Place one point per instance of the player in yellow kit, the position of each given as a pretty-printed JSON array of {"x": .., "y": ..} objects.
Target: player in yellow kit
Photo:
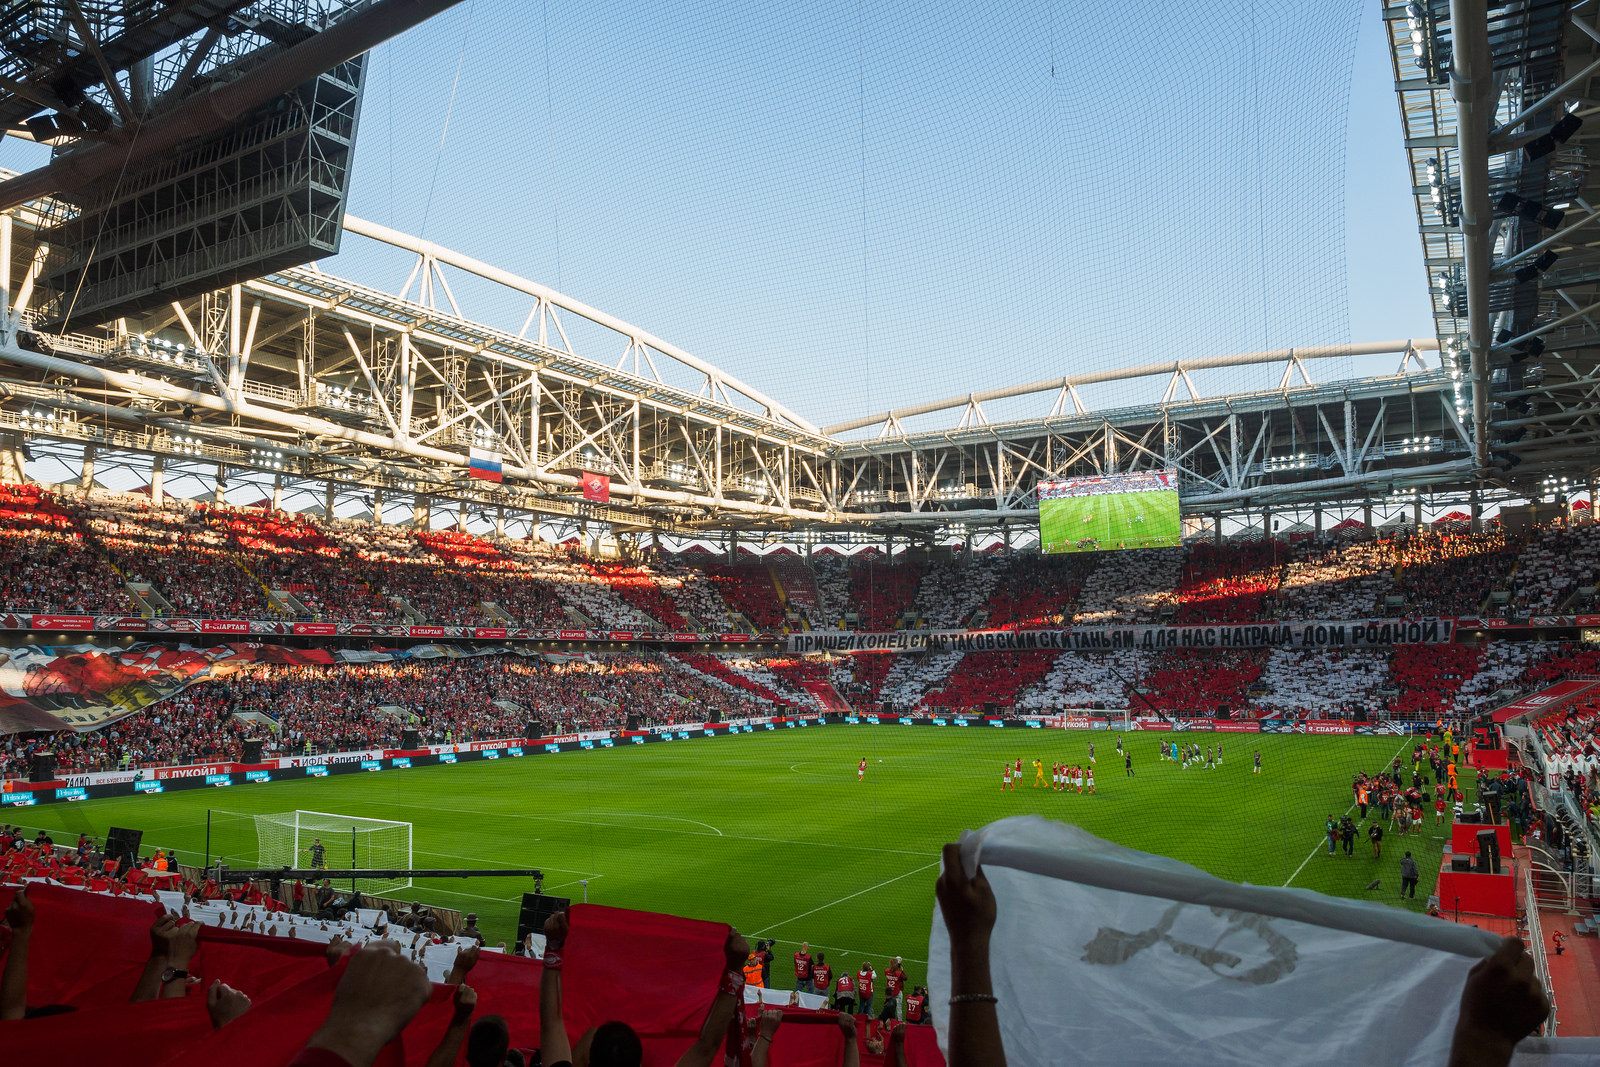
[{"x": 1038, "y": 774}]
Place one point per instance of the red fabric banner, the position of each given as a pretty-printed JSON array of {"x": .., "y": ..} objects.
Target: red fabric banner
[{"x": 596, "y": 487}]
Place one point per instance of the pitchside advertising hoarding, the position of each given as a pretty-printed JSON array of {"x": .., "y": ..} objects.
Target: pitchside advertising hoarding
[{"x": 292, "y": 768}]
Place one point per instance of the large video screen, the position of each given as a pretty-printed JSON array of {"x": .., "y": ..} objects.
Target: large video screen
[{"x": 1109, "y": 512}]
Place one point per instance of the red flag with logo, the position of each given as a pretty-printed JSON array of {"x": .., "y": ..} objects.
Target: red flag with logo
[{"x": 596, "y": 487}]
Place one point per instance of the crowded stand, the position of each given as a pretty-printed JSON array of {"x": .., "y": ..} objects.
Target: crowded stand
[
  {"x": 335, "y": 707},
  {"x": 47, "y": 563},
  {"x": 991, "y": 681},
  {"x": 1227, "y": 583},
  {"x": 1320, "y": 683},
  {"x": 1557, "y": 571},
  {"x": 1428, "y": 677},
  {"x": 749, "y": 589},
  {"x": 1036, "y": 594},
  {"x": 1087, "y": 682},
  {"x": 1129, "y": 586},
  {"x": 1199, "y": 682},
  {"x": 110, "y": 552},
  {"x": 1338, "y": 578}
]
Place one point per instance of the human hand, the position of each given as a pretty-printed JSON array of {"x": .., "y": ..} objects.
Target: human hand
[
  {"x": 466, "y": 1001},
  {"x": 225, "y": 1004},
  {"x": 768, "y": 1023},
  {"x": 1502, "y": 1002},
  {"x": 336, "y": 950},
  {"x": 19, "y": 913},
  {"x": 735, "y": 950},
  {"x": 555, "y": 932},
  {"x": 380, "y": 992},
  {"x": 466, "y": 959},
  {"x": 180, "y": 942},
  {"x": 847, "y": 1023},
  {"x": 897, "y": 1038},
  {"x": 967, "y": 904}
]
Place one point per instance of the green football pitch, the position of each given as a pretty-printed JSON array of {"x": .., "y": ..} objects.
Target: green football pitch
[
  {"x": 1112, "y": 521},
  {"x": 772, "y": 832}
]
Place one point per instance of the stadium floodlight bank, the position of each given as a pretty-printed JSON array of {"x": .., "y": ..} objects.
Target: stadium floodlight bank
[{"x": 289, "y": 840}]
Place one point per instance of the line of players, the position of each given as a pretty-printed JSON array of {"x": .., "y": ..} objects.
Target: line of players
[{"x": 1064, "y": 777}]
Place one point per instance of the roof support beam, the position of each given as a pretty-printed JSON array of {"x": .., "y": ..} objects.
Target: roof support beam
[{"x": 1472, "y": 87}]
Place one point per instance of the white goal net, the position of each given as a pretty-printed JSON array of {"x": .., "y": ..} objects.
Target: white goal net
[{"x": 325, "y": 839}]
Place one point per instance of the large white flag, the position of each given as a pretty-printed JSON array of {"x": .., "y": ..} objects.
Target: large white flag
[{"x": 1106, "y": 955}]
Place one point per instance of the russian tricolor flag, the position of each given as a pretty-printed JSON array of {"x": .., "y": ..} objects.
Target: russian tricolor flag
[{"x": 481, "y": 463}]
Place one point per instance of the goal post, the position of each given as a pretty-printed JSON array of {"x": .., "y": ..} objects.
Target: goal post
[{"x": 303, "y": 839}]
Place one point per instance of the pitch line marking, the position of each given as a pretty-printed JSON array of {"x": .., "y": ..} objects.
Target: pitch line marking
[
  {"x": 666, "y": 829},
  {"x": 860, "y": 892},
  {"x": 669, "y": 818},
  {"x": 1347, "y": 811}
]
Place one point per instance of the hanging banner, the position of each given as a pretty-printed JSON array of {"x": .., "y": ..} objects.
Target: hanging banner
[{"x": 1360, "y": 633}]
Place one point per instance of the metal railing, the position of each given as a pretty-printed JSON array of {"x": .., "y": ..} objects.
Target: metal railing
[{"x": 1535, "y": 940}]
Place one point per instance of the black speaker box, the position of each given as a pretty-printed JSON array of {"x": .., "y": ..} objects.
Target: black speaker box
[
  {"x": 1461, "y": 863},
  {"x": 536, "y": 908},
  {"x": 252, "y": 750},
  {"x": 43, "y": 768},
  {"x": 122, "y": 845},
  {"x": 410, "y": 739},
  {"x": 635, "y": 720},
  {"x": 1488, "y": 851},
  {"x": 534, "y": 728}
]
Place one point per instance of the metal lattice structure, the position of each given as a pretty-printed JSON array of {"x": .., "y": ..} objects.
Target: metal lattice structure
[
  {"x": 1494, "y": 99},
  {"x": 327, "y": 386}
]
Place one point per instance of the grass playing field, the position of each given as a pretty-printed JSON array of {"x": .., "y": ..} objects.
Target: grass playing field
[
  {"x": 772, "y": 832},
  {"x": 1110, "y": 521}
]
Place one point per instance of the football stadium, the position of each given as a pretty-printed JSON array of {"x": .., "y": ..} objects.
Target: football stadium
[{"x": 619, "y": 534}]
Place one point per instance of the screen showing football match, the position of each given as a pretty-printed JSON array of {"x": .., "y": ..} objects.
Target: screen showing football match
[{"x": 1110, "y": 511}]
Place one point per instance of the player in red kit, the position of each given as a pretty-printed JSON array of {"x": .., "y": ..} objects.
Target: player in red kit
[
  {"x": 821, "y": 975},
  {"x": 917, "y": 1007},
  {"x": 802, "y": 968},
  {"x": 864, "y": 987},
  {"x": 844, "y": 993},
  {"x": 861, "y": 769},
  {"x": 894, "y": 981}
]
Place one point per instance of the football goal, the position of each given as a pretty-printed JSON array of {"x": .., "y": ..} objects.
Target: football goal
[{"x": 326, "y": 839}]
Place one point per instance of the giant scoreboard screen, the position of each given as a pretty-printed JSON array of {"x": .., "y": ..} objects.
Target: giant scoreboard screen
[{"x": 1110, "y": 511}]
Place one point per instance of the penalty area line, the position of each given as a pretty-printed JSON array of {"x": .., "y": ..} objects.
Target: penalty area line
[{"x": 833, "y": 903}]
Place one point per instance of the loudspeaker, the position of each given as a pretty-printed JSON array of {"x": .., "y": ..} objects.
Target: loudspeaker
[
  {"x": 635, "y": 720},
  {"x": 1488, "y": 852},
  {"x": 43, "y": 768},
  {"x": 534, "y": 728},
  {"x": 714, "y": 715},
  {"x": 410, "y": 739},
  {"x": 122, "y": 845},
  {"x": 1224, "y": 712},
  {"x": 1472, "y": 816},
  {"x": 1461, "y": 863},
  {"x": 988, "y": 708},
  {"x": 536, "y": 908},
  {"x": 252, "y": 750}
]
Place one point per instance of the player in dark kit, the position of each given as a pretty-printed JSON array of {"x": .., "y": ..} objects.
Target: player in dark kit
[{"x": 1127, "y": 764}]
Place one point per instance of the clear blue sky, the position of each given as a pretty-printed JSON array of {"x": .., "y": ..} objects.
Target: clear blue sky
[{"x": 858, "y": 204}]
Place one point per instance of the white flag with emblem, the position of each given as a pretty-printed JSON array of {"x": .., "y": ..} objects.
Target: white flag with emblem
[{"x": 1106, "y": 955}]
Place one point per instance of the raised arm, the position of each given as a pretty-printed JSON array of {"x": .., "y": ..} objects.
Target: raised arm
[
  {"x": 852, "y": 1047},
  {"x": 766, "y": 1030},
  {"x": 14, "y": 979},
  {"x": 554, "y": 1045},
  {"x": 730, "y": 994},
  {"x": 1501, "y": 1004},
  {"x": 455, "y": 1034},
  {"x": 968, "y": 907}
]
